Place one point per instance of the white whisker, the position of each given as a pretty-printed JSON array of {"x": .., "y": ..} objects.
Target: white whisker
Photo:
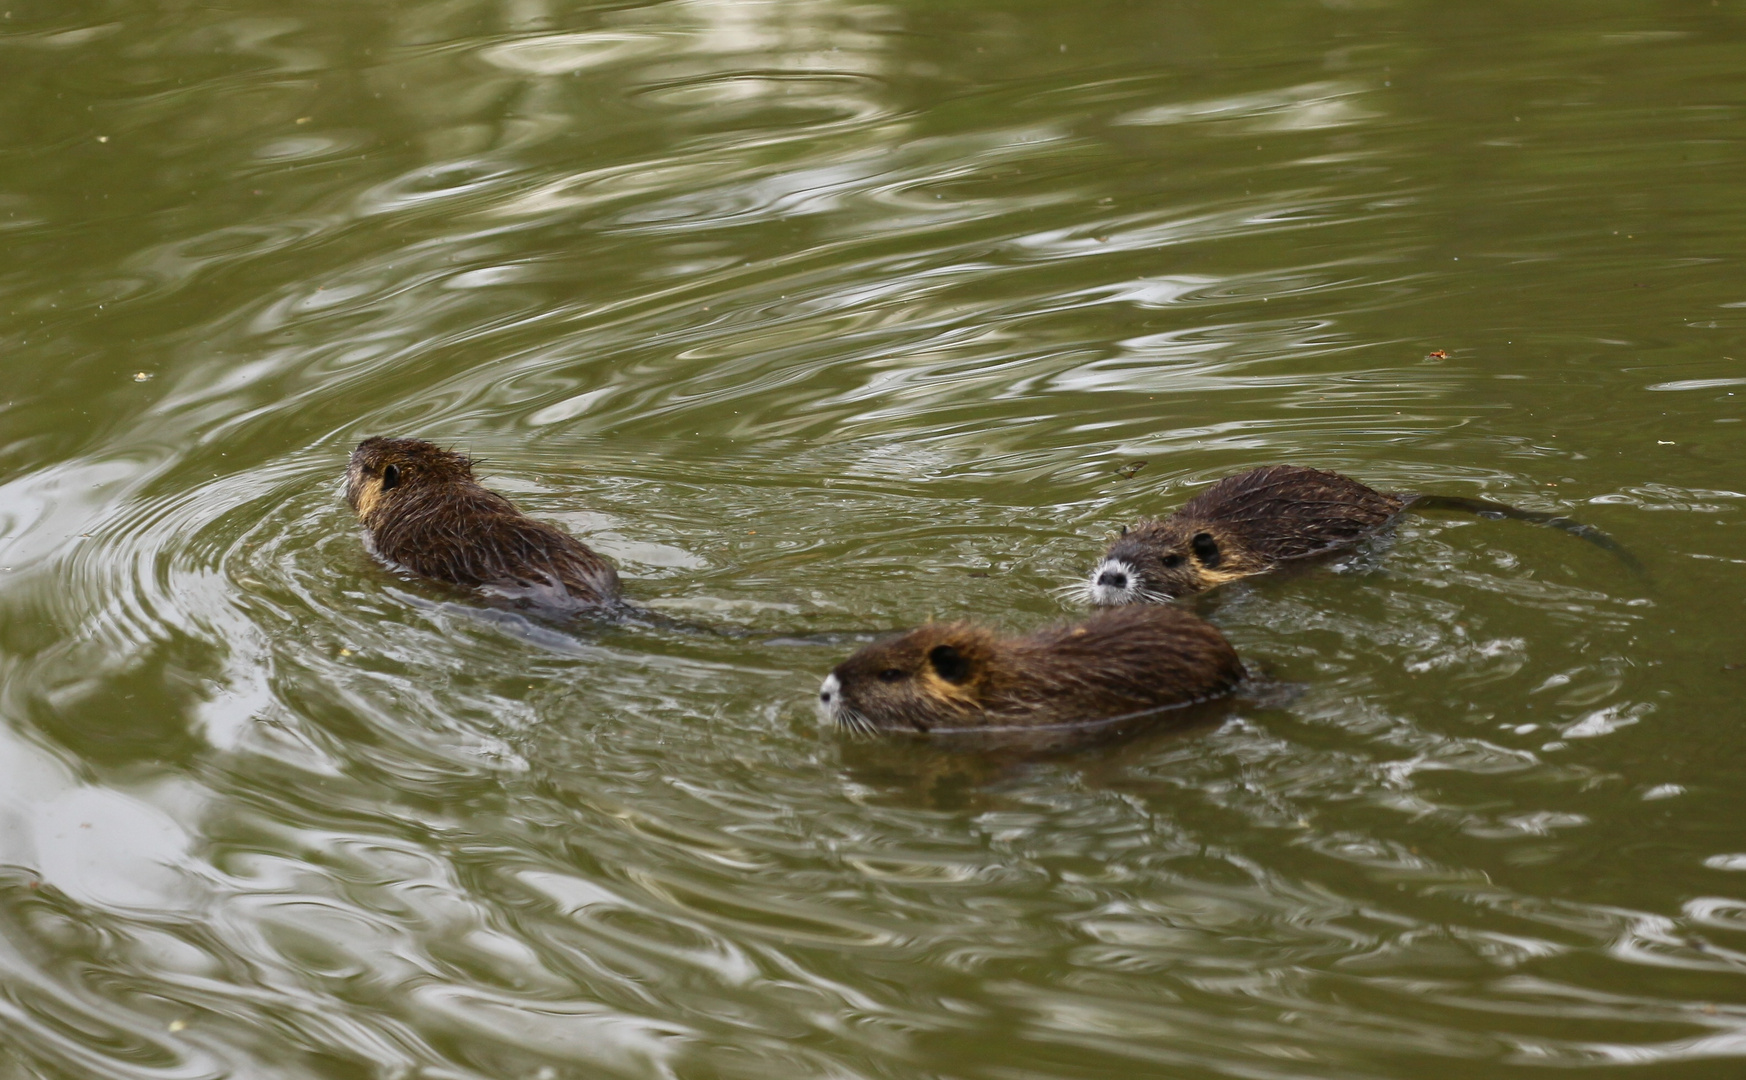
[
  {"x": 853, "y": 723},
  {"x": 1083, "y": 592}
]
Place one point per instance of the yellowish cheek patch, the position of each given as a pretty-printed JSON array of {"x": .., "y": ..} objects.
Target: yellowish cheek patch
[
  {"x": 941, "y": 688},
  {"x": 1213, "y": 576},
  {"x": 368, "y": 499}
]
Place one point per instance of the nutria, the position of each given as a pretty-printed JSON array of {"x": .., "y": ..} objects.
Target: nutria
[
  {"x": 957, "y": 676},
  {"x": 1252, "y": 522},
  {"x": 422, "y": 510}
]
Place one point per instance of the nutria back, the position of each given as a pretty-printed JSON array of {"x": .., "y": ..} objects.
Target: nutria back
[
  {"x": 1284, "y": 512},
  {"x": 955, "y": 676},
  {"x": 422, "y": 510}
]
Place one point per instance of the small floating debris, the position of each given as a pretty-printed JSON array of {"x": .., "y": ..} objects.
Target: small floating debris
[
  {"x": 142, "y": 376},
  {"x": 1126, "y": 472}
]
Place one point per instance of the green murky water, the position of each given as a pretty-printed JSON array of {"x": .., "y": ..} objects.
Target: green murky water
[{"x": 822, "y": 318}]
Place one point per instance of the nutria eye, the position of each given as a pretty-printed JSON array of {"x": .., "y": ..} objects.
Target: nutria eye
[
  {"x": 390, "y": 477},
  {"x": 1172, "y": 561},
  {"x": 890, "y": 674}
]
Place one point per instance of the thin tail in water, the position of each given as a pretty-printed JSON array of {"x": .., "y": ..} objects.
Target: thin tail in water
[{"x": 1485, "y": 508}]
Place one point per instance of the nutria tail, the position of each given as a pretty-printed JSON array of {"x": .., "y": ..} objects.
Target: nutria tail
[{"x": 1487, "y": 509}]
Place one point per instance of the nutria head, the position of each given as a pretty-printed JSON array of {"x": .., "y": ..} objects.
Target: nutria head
[
  {"x": 384, "y": 473},
  {"x": 958, "y": 676},
  {"x": 1159, "y": 561},
  {"x": 924, "y": 679}
]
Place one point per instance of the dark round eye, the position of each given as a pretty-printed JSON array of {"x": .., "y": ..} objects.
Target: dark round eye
[
  {"x": 1172, "y": 561},
  {"x": 390, "y": 477},
  {"x": 891, "y": 674}
]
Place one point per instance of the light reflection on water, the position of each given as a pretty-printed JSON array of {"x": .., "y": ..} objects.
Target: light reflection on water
[{"x": 822, "y": 319}]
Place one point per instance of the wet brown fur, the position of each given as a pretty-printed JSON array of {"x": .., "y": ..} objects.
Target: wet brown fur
[
  {"x": 958, "y": 675},
  {"x": 1250, "y": 523},
  {"x": 437, "y": 521}
]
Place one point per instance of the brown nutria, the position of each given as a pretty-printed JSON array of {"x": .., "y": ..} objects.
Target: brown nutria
[
  {"x": 422, "y": 510},
  {"x": 957, "y": 676},
  {"x": 1252, "y": 522}
]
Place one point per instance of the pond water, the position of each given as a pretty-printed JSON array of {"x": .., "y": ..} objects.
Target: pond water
[{"x": 823, "y": 318}]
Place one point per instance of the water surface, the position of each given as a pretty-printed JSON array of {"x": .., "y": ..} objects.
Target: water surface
[{"x": 822, "y": 318}]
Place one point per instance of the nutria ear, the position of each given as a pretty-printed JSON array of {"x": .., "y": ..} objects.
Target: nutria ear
[
  {"x": 949, "y": 663},
  {"x": 1124, "y": 530},
  {"x": 390, "y": 477},
  {"x": 1206, "y": 549}
]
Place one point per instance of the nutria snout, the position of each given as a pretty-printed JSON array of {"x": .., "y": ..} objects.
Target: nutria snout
[
  {"x": 956, "y": 676},
  {"x": 422, "y": 510},
  {"x": 1252, "y": 522}
]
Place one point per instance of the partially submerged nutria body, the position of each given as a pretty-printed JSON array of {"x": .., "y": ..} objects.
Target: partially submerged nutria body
[
  {"x": 422, "y": 510},
  {"x": 958, "y": 676},
  {"x": 1253, "y": 522}
]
